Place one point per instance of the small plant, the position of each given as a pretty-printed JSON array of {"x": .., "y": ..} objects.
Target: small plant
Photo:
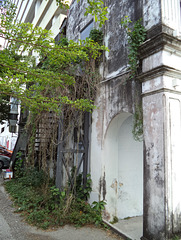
[
  {"x": 115, "y": 220},
  {"x": 99, "y": 206},
  {"x": 55, "y": 191},
  {"x": 79, "y": 190},
  {"x": 18, "y": 168}
]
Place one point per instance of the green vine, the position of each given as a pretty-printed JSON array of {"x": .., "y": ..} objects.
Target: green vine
[{"x": 136, "y": 36}]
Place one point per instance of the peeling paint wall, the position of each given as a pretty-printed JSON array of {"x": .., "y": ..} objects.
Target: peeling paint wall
[
  {"x": 115, "y": 37},
  {"x": 115, "y": 101}
]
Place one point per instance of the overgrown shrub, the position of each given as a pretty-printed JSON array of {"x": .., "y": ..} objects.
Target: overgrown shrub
[{"x": 44, "y": 206}]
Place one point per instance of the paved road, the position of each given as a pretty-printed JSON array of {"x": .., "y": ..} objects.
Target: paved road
[{"x": 12, "y": 226}]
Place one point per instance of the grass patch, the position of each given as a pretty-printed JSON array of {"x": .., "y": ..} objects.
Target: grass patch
[{"x": 44, "y": 206}]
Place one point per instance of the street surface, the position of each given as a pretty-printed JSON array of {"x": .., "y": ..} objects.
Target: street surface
[{"x": 12, "y": 226}]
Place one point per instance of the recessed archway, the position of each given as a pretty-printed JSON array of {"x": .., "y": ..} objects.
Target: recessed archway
[{"x": 123, "y": 168}]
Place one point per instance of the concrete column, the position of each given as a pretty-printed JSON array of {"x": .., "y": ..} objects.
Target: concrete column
[{"x": 161, "y": 88}]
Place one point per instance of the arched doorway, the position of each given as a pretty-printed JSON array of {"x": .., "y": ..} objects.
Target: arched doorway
[{"x": 123, "y": 169}]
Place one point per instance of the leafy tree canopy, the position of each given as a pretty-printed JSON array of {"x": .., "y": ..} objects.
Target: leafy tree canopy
[{"x": 49, "y": 84}]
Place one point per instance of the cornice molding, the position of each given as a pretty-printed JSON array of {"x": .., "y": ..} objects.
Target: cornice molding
[
  {"x": 161, "y": 41},
  {"x": 159, "y": 28},
  {"x": 160, "y": 90},
  {"x": 159, "y": 71}
]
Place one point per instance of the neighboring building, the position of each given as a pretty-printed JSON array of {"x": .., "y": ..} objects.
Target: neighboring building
[
  {"x": 7, "y": 139},
  {"x": 42, "y": 13},
  {"x": 9, "y": 129},
  {"x": 134, "y": 178},
  {"x": 8, "y": 134}
]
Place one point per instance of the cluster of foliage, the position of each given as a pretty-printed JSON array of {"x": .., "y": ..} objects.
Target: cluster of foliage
[
  {"x": 50, "y": 80},
  {"x": 63, "y": 4},
  {"x": 44, "y": 206},
  {"x": 96, "y": 35}
]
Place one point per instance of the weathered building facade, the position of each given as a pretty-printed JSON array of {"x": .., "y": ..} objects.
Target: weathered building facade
[
  {"x": 119, "y": 165},
  {"x": 134, "y": 178},
  {"x": 116, "y": 159}
]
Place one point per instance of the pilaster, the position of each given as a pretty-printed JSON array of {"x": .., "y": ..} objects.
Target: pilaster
[{"x": 161, "y": 91}]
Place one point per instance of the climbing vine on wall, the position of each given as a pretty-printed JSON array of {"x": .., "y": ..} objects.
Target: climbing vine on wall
[{"x": 136, "y": 36}]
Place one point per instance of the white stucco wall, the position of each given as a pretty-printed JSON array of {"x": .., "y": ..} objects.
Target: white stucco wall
[
  {"x": 123, "y": 163},
  {"x": 130, "y": 176}
]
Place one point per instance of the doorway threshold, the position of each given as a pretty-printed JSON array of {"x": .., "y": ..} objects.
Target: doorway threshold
[{"x": 131, "y": 228}]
